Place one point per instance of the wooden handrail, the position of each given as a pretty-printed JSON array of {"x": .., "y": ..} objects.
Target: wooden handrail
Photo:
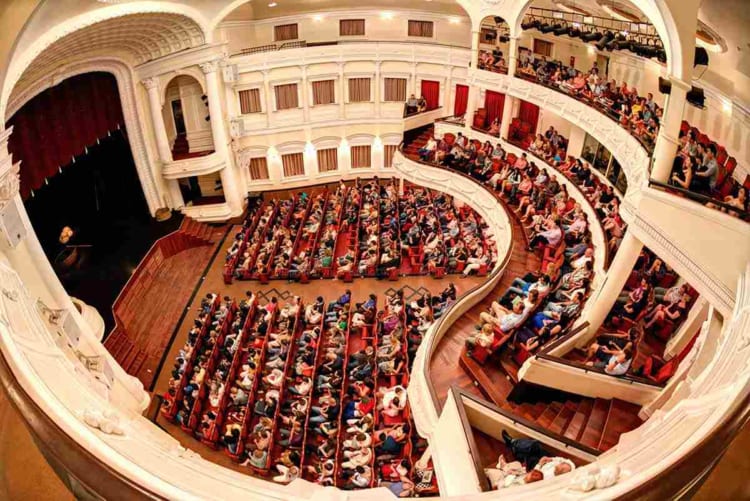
[
  {"x": 458, "y": 393},
  {"x": 590, "y": 368},
  {"x": 699, "y": 198}
]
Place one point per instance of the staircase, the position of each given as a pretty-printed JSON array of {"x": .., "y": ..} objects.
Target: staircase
[
  {"x": 594, "y": 422},
  {"x": 198, "y": 233},
  {"x": 411, "y": 149},
  {"x": 180, "y": 147}
]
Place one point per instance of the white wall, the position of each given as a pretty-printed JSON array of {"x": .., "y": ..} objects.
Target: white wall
[{"x": 324, "y": 27}]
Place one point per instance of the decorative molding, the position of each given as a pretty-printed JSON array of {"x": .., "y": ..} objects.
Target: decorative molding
[
  {"x": 209, "y": 67},
  {"x": 105, "y": 421},
  {"x": 150, "y": 83}
]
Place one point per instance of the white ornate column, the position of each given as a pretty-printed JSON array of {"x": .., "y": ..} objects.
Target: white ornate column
[
  {"x": 268, "y": 97},
  {"x": 507, "y": 118},
  {"x": 415, "y": 90},
  {"x": 378, "y": 85},
  {"x": 448, "y": 91},
  {"x": 474, "y": 62},
  {"x": 229, "y": 179},
  {"x": 669, "y": 131},
  {"x": 513, "y": 56},
  {"x": 342, "y": 84},
  {"x": 305, "y": 95},
  {"x": 617, "y": 276},
  {"x": 471, "y": 104},
  {"x": 162, "y": 142}
]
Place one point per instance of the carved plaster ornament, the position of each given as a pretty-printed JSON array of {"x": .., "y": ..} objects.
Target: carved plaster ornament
[
  {"x": 182, "y": 452},
  {"x": 106, "y": 421},
  {"x": 9, "y": 185},
  {"x": 593, "y": 477}
]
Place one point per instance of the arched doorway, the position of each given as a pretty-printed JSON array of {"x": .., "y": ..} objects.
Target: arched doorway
[
  {"x": 494, "y": 44},
  {"x": 187, "y": 121}
]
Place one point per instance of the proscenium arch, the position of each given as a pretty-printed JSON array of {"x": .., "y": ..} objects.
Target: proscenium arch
[
  {"x": 656, "y": 11},
  {"x": 126, "y": 86},
  {"x": 19, "y": 62}
]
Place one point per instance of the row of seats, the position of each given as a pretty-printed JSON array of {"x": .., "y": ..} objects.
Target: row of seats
[
  {"x": 641, "y": 116},
  {"x": 499, "y": 169},
  {"x": 355, "y": 231},
  {"x": 652, "y": 306},
  {"x": 308, "y": 391},
  {"x": 703, "y": 166}
]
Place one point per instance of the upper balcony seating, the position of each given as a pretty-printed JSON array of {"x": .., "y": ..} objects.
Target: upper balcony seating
[
  {"x": 651, "y": 308},
  {"x": 492, "y": 165},
  {"x": 639, "y": 115},
  {"x": 492, "y": 61},
  {"x": 719, "y": 190}
]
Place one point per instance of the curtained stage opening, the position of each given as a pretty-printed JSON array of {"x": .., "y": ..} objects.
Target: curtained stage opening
[{"x": 101, "y": 199}]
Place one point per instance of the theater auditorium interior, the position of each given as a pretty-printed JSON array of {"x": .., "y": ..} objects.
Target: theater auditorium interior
[{"x": 326, "y": 250}]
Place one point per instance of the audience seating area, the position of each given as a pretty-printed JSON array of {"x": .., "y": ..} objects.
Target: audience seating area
[
  {"x": 309, "y": 390},
  {"x": 366, "y": 229},
  {"x": 494, "y": 166},
  {"x": 651, "y": 308},
  {"x": 704, "y": 171},
  {"x": 639, "y": 115},
  {"x": 543, "y": 303},
  {"x": 140, "y": 335},
  {"x": 696, "y": 174}
]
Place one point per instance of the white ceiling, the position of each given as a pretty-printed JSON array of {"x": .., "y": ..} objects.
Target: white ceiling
[{"x": 136, "y": 38}]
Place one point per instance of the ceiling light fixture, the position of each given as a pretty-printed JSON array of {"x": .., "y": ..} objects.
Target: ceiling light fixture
[{"x": 272, "y": 4}]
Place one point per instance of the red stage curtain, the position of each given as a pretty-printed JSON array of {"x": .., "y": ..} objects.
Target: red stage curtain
[
  {"x": 60, "y": 123},
  {"x": 462, "y": 99},
  {"x": 493, "y": 103},
  {"x": 529, "y": 114},
  {"x": 431, "y": 93}
]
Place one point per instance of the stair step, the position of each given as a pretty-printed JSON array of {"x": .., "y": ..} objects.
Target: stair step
[
  {"x": 549, "y": 414},
  {"x": 578, "y": 423},
  {"x": 592, "y": 433},
  {"x": 563, "y": 418},
  {"x": 621, "y": 418}
]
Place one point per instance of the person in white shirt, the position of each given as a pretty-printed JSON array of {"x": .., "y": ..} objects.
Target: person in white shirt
[{"x": 554, "y": 467}]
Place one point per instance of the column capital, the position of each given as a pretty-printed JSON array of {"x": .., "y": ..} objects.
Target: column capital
[
  {"x": 209, "y": 66},
  {"x": 150, "y": 83}
]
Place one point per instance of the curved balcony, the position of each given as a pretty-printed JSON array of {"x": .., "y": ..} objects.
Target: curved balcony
[
  {"x": 692, "y": 421},
  {"x": 627, "y": 149},
  {"x": 196, "y": 166}
]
